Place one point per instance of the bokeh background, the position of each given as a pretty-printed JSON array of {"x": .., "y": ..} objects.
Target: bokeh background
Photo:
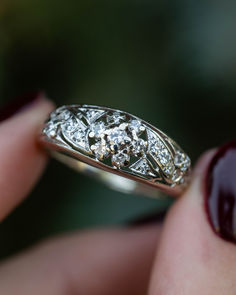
[{"x": 172, "y": 63}]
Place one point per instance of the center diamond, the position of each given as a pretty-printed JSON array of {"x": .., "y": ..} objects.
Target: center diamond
[
  {"x": 117, "y": 136},
  {"x": 119, "y": 142}
]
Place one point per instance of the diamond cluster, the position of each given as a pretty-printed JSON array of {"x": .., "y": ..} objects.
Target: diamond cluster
[
  {"x": 122, "y": 139},
  {"x": 118, "y": 139}
]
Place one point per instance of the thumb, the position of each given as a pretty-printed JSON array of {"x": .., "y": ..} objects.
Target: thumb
[{"x": 196, "y": 254}]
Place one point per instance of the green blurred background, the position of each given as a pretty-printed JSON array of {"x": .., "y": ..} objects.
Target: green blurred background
[{"x": 172, "y": 63}]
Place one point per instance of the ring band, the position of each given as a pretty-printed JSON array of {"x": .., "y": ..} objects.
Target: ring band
[{"x": 124, "y": 151}]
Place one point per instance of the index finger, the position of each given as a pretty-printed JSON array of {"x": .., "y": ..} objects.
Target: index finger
[{"x": 22, "y": 161}]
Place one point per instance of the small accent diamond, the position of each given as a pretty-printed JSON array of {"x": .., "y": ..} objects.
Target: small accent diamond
[
  {"x": 78, "y": 138},
  {"x": 164, "y": 156},
  {"x": 120, "y": 159},
  {"x": 169, "y": 169},
  {"x": 115, "y": 118},
  {"x": 70, "y": 125},
  {"x": 92, "y": 114},
  {"x": 182, "y": 161},
  {"x": 139, "y": 146},
  {"x": 159, "y": 152},
  {"x": 100, "y": 150},
  {"x": 142, "y": 167},
  {"x": 75, "y": 132},
  {"x": 60, "y": 114},
  {"x": 155, "y": 144},
  {"x": 136, "y": 126},
  {"x": 57, "y": 118},
  {"x": 98, "y": 129},
  {"x": 65, "y": 115}
]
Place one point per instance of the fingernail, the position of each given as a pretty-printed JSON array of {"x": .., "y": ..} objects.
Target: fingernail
[
  {"x": 147, "y": 219},
  {"x": 19, "y": 104},
  {"x": 220, "y": 192}
]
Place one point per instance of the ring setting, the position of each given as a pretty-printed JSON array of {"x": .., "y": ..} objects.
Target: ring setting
[{"x": 118, "y": 142}]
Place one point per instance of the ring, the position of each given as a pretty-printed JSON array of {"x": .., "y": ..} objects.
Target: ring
[{"x": 120, "y": 149}]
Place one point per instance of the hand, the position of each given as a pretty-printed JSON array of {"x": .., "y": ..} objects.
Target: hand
[{"x": 183, "y": 256}]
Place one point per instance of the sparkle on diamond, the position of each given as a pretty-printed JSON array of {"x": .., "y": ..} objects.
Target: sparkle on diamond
[
  {"x": 120, "y": 159},
  {"x": 117, "y": 136},
  {"x": 120, "y": 142}
]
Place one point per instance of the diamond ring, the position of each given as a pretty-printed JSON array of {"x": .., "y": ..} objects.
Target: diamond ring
[{"x": 122, "y": 150}]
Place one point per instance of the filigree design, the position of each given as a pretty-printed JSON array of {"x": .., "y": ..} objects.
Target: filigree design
[{"x": 119, "y": 140}]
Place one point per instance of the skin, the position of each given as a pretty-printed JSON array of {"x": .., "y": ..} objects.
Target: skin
[{"x": 182, "y": 256}]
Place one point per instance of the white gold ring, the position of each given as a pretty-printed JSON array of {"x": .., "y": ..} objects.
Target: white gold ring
[{"x": 124, "y": 151}]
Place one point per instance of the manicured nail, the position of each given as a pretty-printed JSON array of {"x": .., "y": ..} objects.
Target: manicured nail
[
  {"x": 19, "y": 104},
  {"x": 220, "y": 192}
]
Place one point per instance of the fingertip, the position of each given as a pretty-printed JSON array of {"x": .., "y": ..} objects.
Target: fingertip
[
  {"x": 188, "y": 247},
  {"x": 22, "y": 161}
]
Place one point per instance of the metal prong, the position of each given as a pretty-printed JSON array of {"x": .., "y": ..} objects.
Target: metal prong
[
  {"x": 123, "y": 126},
  {"x": 53, "y": 133},
  {"x": 91, "y": 134},
  {"x": 142, "y": 128}
]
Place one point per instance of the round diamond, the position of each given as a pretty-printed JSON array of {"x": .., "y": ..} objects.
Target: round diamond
[
  {"x": 179, "y": 158},
  {"x": 100, "y": 150},
  {"x": 182, "y": 161},
  {"x": 98, "y": 128},
  {"x": 117, "y": 136},
  {"x": 139, "y": 146},
  {"x": 120, "y": 159},
  {"x": 185, "y": 166},
  {"x": 135, "y": 125}
]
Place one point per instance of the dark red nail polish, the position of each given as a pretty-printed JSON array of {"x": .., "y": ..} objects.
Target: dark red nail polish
[
  {"x": 220, "y": 192},
  {"x": 19, "y": 104}
]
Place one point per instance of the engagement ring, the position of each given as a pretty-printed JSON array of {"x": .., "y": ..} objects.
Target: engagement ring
[{"x": 120, "y": 149}]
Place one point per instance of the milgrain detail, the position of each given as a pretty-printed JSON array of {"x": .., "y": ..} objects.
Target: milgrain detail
[{"x": 119, "y": 140}]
